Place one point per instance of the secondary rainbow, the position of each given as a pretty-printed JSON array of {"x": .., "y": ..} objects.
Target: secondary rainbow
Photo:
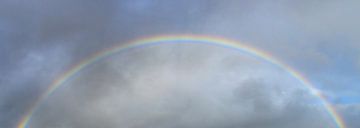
[{"x": 23, "y": 123}]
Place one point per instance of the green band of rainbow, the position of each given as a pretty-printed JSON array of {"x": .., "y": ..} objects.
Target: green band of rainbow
[{"x": 180, "y": 38}]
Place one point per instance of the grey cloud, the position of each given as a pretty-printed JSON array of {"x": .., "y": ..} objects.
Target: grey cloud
[
  {"x": 21, "y": 85},
  {"x": 80, "y": 27},
  {"x": 299, "y": 29},
  {"x": 317, "y": 37}
]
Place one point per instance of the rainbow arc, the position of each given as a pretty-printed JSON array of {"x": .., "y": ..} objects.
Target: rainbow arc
[{"x": 211, "y": 40}]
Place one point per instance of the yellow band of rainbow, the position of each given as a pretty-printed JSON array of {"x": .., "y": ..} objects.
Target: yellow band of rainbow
[{"x": 23, "y": 123}]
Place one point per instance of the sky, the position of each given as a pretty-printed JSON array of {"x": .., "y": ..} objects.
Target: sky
[{"x": 171, "y": 85}]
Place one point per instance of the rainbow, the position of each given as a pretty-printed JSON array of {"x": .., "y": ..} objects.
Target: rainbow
[{"x": 218, "y": 41}]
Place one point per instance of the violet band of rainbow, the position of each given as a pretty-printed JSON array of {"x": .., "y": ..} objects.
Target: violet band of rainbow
[{"x": 23, "y": 123}]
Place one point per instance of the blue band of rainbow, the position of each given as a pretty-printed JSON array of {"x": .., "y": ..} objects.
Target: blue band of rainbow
[{"x": 23, "y": 123}]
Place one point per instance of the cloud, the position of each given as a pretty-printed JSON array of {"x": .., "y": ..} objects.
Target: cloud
[
  {"x": 21, "y": 85},
  {"x": 299, "y": 29},
  {"x": 316, "y": 37},
  {"x": 182, "y": 86}
]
